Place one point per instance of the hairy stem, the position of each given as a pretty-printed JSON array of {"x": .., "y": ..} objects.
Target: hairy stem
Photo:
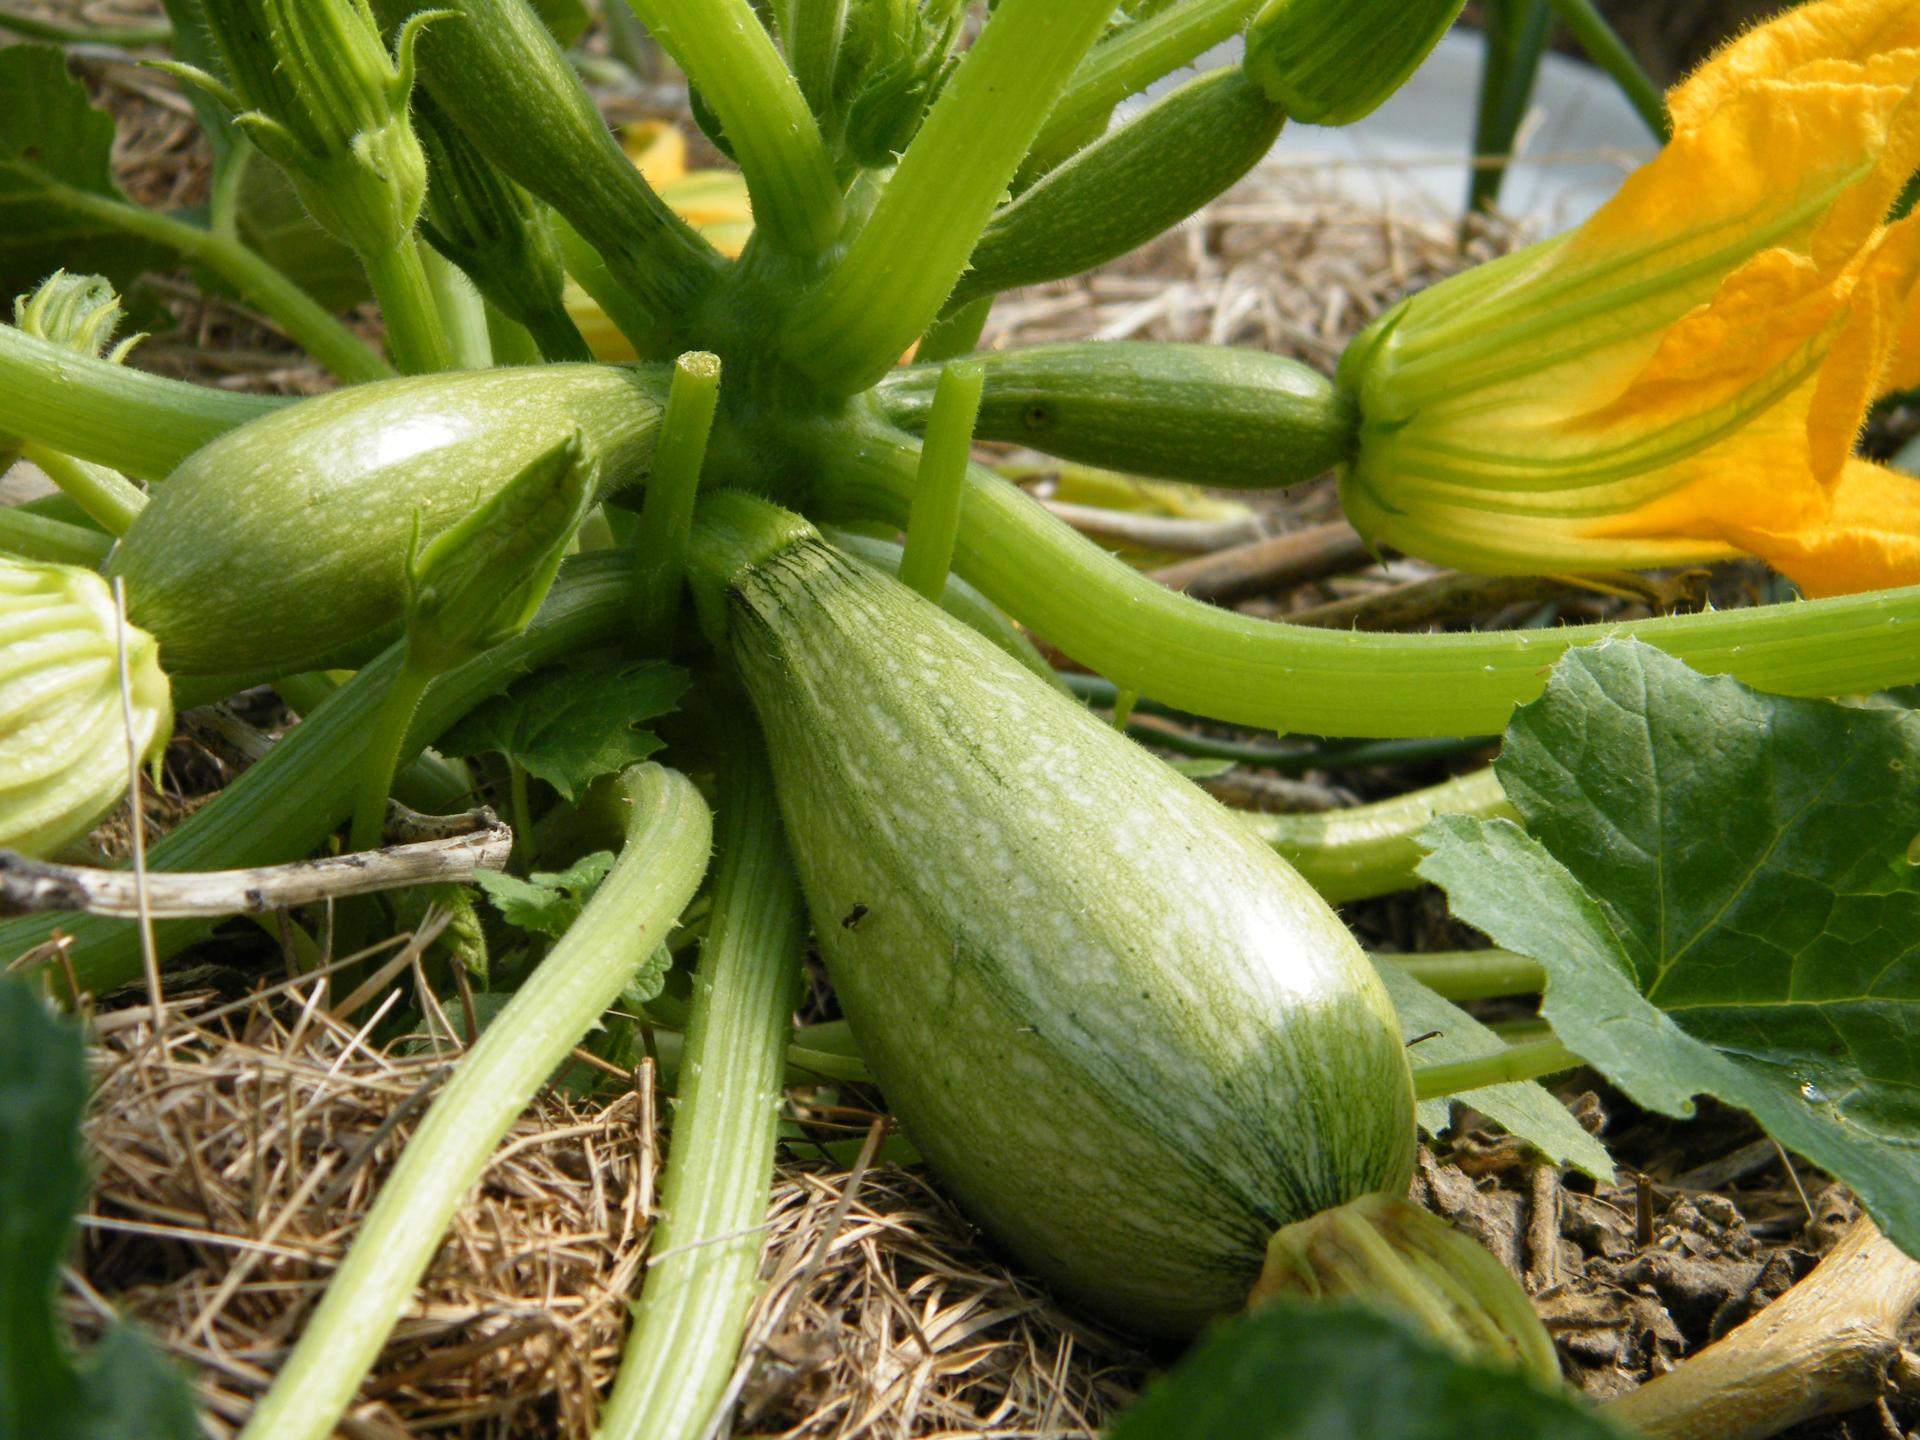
[
  {"x": 705, "y": 1253},
  {"x": 731, "y": 60},
  {"x": 139, "y": 424},
  {"x": 415, "y": 337},
  {"x": 1313, "y": 681},
  {"x": 658, "y": 869},
  {"x": 902, "y": 265},
  {"x": 944, "y": 455},
  {"x": 259, "y": 283}
]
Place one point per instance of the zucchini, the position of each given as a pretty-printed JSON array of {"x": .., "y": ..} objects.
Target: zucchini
[
  {"x": 1205, "y": 413},
  {"x": 1131, "y": 1040},
  {"x": 283, "y": 544}
]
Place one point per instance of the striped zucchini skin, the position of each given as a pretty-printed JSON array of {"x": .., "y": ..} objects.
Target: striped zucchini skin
[
  {"x": 1128, "y": 1036},
  {"x": 284, "y": 543}
]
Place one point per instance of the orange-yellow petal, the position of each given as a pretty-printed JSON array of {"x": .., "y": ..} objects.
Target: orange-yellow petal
[{"x": 1869, "y": 539}]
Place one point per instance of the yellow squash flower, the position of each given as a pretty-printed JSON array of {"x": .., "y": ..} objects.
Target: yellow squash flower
[
  {"x": 1682, "y": 379},
  {"x": 714, "y": 202}
]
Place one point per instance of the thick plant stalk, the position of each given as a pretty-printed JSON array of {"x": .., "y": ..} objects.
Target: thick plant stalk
[
  {"x": 656, "y": 874},
  {"x": 705, "y": 1251},
  {"x": 283, "y": 807},
  {"x": 900, "y": 268},
  {"x": 1375, "y": 849},
  {"x": 731, "y": 60},
  {"x": 943, "y": 470},
  {"x": 666, "y": 515},
  {"x": 1312, "y": 681},
  {"x": 142, "y": 425},
  {"x": 415, "y": 337}
]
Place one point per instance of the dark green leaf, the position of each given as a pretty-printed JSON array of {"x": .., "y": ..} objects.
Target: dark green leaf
[
  {"x": 1527, "y": 1109},
  {"x": 571, "y": 727},
  {"x": 125, "y": 1391},
  {"x": 54, "y": 143},
  {"x": 1327, "y": 1372},
  {"x": 546, "y": 902},
  {"x": 1723, "y": 890}
]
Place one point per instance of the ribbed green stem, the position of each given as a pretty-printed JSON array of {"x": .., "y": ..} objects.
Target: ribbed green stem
[
  {"x": 463, "y": 314},
  {"x": 260, "y": 284},
  {"x": 1605, "y": 48},
  {"x": 1336, "y": 682},
  {"x": 1516, "y": 35},
  {"x": 1517, "y": 1062},
  {"x": 944, "y": 455},
  {"x": 901, "y": 267},
  {"x": 415, "y": 337},
  {"x": 730, "y": 59},
  {"x": 1133, "y": 60},
  {"x": 590, "y": 272},
  {"x": 660, "y": 540},
  {"x": 651, "y": 882},
  {"x": 704, "y": 1255},
  {"x": 284, "y": 806},
  {"x": 104, "y": 494},
  {"x": 36, "y": 537},
  {"x": 954, "y": 334},
  {"x": 1472, "y": 974},
  {"x": 812, "y": 37},
  {"x": 382, "y": 757},
  {"x": 1370, "y": 850},
  {"x": 139, "y": 424}
]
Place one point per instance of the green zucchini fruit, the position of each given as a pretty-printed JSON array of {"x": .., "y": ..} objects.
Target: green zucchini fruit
[
  {"x": 283, "y": 544},
  {"x": 1131, "y": 1040},
  {"x": 1206, "y": 413}
]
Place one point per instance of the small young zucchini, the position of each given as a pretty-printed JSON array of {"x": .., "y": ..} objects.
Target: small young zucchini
[
  {"x": 1128, "y": 1036},
  {"x": 284, "y": 543}
]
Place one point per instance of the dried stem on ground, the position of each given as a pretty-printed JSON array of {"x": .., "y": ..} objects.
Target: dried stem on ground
[{"x": 1830, "y": 1344}]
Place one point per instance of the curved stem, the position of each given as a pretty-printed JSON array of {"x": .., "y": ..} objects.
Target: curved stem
[
  {"x": 282, "y": 807},
  {"x": 259, "y": 283},
  {"x": 415, "y": 337},
  {"x": 1370, "y": 850},
  {"x": 705, "y": 1253},
  {"x": 104, "y": 494},
  {"x": 656, "y": 874},
  {"x": 1604, "y": 47},
  {"x": 37, "y": 537},
  {"x": 139, "y": 424},
  {"x": 902, "y": 265},
  {"x": 1299, "y": 678},
  {"x": 1133, "y": 60},
  {"x": 557, "y": 336},
  {"x": 382, "y": 755},
  {"x": 1517, "y": 1062},
  {"x": 944, "y": 453},
  {"x": 731, "y": 60}
]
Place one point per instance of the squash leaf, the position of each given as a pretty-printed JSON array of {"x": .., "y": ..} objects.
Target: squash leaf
[
  {"x": 1723, "y": 888},
  {"x": 1523, "y": 1108},
  {"x": 55, "y": 144},
  {"x": 123, "y": 1391},
  {"x": 1292, "y": 1371},
  {"x": 547, "y": 902},
  {"x": 569, "y": 727}
]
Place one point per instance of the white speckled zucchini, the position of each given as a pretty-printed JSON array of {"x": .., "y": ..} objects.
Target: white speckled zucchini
[
  {"x": 1128, "y": 1036},
  {"x": 284, "y": 543}
]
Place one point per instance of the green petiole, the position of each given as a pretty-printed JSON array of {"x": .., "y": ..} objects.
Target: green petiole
[
  {"x": 656, "y": 874},
  {"x": 1472, "y": 974},
  {"x": 729, "y": 57},
  {"x": 1603, "y": 46},
  {"x": 1527, "y": 1061},
  {"x": 259, "y": 282},
  {"x": 106, "y": 495},
  {"x": 704, "y": 1256},
  {"x": 139, "y": 424},
  {"x": 462, "y": 313},
  {"x": 38, "y": 537},
  {"x": 36, "y": 27},
  {"x": 1296, "y": 678},
  {"x": 902, "y": 265},
  {"x": 666, "y": 514},
  {"x": 415, "y": 337},
  {"x": 944, "y": 455},
  {"x": 384, "y": 744}
]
